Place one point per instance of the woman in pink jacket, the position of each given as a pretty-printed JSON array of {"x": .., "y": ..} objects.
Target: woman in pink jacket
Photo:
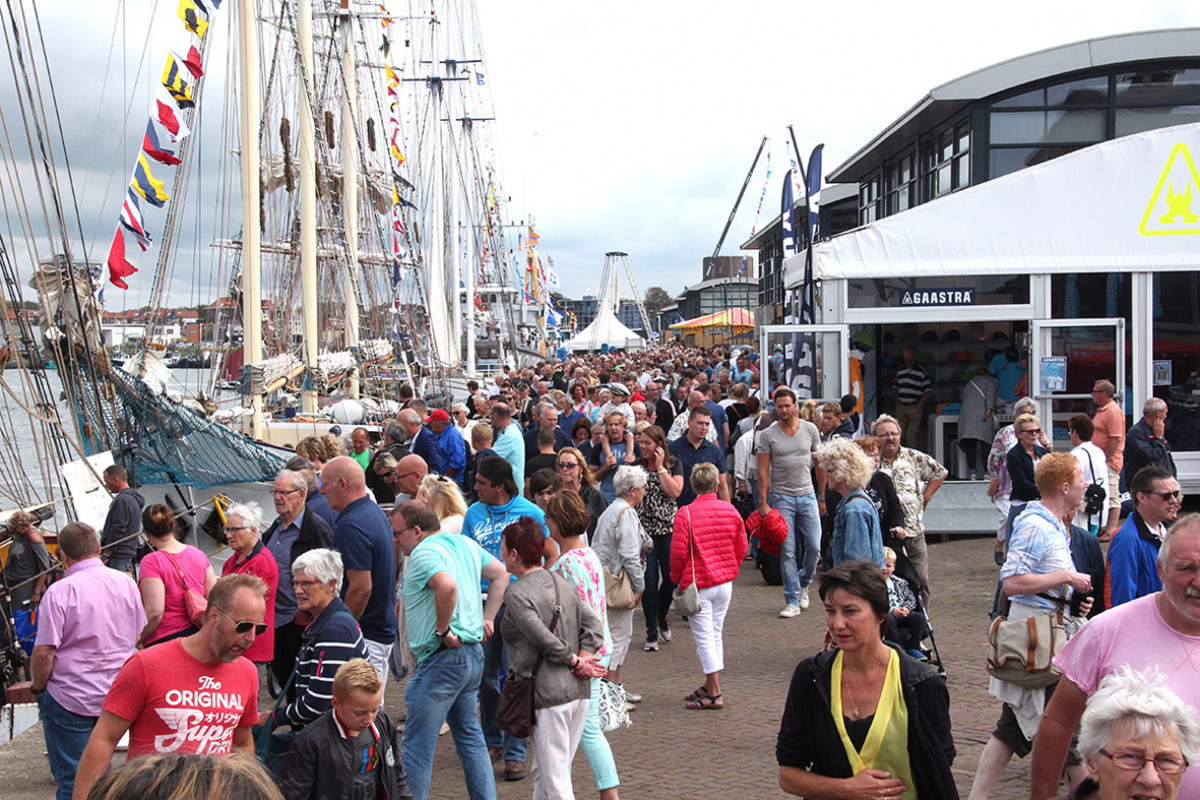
[{"x": 709, "y": 534}]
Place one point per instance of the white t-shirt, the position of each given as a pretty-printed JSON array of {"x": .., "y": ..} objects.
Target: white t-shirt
[
  {"x": 1136, "y": 634},
  {"x": 1095, "y": 470}
]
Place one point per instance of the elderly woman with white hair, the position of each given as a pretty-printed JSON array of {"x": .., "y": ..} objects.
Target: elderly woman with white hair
[
  {"x": 243, "y": 521},
  {"x": 1137, "y": 738},
  {"x": 856, "y": 531},
  {"x": 329, "y": 641},
  {"x": 620, "y": 544}
]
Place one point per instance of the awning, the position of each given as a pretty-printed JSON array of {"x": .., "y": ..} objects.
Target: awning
[
  {"x": 739, "y": 319},
  {"x": 1130, "y": 204}
]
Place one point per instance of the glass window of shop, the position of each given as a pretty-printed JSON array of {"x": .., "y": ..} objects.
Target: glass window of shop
[
  {"x": 1176, "y": 354},
  {"x": 990, "y": 290}
]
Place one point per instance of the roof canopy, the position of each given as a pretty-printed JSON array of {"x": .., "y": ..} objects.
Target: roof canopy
[
  {"x": 605, "y": 329},
  {"x": 1130, "y": 204},
  {"x": 737, "y": 318}
]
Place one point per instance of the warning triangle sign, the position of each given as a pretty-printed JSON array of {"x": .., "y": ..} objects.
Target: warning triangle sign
[{"x": 1175, "y": 206}]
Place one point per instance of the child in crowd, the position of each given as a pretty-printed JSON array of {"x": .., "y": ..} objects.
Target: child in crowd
[{"x": 909, "y": 625}]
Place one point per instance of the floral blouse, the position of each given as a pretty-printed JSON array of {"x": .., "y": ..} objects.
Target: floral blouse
[{"x": 581, "y": 568}]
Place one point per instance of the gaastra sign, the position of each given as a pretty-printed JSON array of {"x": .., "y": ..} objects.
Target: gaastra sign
[{"x": 937, "y": 297}]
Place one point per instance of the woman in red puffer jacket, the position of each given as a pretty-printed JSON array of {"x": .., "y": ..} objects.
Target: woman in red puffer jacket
[{"x": 708, "y": 544}]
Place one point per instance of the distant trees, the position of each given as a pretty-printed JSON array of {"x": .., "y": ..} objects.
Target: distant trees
[{"x": 656, "y": 299}]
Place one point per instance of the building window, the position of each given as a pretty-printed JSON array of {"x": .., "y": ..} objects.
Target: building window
[
  {"x": 946, "y": 161},
  {"x": 1041, "y": 124},
  {"x": 1177, "y": 342},
  {"x": 901, "y": 184},
  {"x": 870, "y": 199}
]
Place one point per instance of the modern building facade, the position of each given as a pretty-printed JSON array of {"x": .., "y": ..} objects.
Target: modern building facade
[{"x": 1065, "y": 233}]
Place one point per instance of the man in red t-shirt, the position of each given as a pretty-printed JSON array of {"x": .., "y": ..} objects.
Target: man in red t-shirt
[{"x": 192, "y": 695}]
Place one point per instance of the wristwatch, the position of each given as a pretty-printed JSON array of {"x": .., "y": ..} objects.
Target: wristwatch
[
  {"x": 441, "y": 634},
  {"x": 36, "y": 692}
]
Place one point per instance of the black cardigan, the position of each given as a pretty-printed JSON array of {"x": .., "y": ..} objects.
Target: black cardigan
[
  {"x": 1020, "y": 469},
  {"x": 808, "y": 738}
]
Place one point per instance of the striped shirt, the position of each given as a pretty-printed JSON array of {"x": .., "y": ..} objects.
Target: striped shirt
[
  {"x": 330, "y": 640},
  {"x": 911, "y": 384}
]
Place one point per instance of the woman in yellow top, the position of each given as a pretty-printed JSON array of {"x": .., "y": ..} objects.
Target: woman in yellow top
[{"x": 864, "y": 720}]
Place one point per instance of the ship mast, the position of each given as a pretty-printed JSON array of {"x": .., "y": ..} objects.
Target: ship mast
[
  {"x": 350, "y": 187},
  {"x": 251, "y": 232},
  {"x": 310, "y": 307}
]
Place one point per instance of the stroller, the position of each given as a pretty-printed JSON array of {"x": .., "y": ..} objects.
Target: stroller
[{"x": 908, "y": 571}]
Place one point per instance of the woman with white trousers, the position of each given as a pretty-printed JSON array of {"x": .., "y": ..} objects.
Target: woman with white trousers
[{"x": 708, "y": 544}]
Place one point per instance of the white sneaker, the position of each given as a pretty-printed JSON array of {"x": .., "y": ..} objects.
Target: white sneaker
[
  {"x": 790, "y": 611},
  {"x": 804, "y": 599}
]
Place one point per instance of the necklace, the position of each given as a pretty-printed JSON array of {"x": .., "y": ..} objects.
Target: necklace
[{"x": 855, "y": 705}]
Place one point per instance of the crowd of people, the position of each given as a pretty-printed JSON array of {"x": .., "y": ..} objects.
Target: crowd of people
[{"x": 516, "y": 532}]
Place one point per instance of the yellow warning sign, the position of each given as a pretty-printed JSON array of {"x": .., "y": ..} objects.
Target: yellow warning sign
[{"x": 1175, "y": 206}]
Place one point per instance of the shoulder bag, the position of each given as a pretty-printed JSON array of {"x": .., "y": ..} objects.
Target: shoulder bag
[
  {"x": 687, "y": 601},
  {"x": 194, "y": 601},
  {"x": 613, "y": 707},
  {"x": 618, "y": 589},
  {"x": 1022, "y": 651},
  {"x": 514, "y": 712}
]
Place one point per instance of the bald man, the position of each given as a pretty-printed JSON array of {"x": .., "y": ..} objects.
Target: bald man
[
  {"x": 363, "y": 536},
  {"x": 411, "y": 470}
]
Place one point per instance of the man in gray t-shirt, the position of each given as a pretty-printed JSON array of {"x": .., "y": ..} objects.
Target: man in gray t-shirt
[{"x": 785, "y": 466}]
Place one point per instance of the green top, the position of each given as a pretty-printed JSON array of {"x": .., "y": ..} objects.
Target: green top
[
  {"x": 464, "y": 560},
  {"x": 363, "y": 458}
]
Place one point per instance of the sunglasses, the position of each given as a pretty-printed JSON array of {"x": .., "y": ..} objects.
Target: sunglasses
[
  {"x": 1175, "y": 495},
  {"x": 244, "y": 627},
  {"x": 1032, "y": 430}
]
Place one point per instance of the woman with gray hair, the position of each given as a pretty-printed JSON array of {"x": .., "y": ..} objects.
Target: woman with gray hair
[
  {"x": 619, "y": 543},
  {"x": 330, "y": 640},
  {"x": 243, "y": 521},
  {"x": 856, "y": 531},
  {"x": 1137, "y": 738}
]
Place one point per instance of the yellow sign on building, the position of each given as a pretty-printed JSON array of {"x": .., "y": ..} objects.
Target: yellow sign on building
[{"x": 1174, "y": 207}]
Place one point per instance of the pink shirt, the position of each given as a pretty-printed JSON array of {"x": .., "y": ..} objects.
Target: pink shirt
[
  {"x": 92, "y": 618},
  {"x": 1136, "y": 634},
  {"x": 159, "y": 565}
]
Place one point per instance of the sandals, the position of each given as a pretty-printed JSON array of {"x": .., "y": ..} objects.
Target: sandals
[
  {"x": 696, "y": 695},
  {"x": 707, "y": 702}
]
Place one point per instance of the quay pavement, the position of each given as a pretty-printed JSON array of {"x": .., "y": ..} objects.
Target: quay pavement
[{"x": 671, "y": 751}]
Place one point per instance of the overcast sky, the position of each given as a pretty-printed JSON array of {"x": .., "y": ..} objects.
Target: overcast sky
[{"x": 630, "y": 125}]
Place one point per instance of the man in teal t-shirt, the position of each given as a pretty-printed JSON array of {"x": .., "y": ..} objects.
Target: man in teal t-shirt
[{"x": 447, "y": 643}]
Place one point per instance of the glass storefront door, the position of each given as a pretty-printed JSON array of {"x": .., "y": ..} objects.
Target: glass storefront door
[
  {"x": 812, "y": 359},
  {"x": 1068, "y": 357}
]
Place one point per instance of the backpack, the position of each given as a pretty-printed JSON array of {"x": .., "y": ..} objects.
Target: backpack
[{"x": 1093, "y": 495}]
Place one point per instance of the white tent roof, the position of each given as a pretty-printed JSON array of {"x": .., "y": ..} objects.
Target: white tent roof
[
  {"x": 1105, "y": 208},
  {"x": 605, "y": 329}
]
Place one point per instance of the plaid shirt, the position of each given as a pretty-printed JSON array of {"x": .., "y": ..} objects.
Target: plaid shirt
[{"x": 911, "y": 472}]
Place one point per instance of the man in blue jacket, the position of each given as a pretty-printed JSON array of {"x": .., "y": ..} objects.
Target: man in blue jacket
[
  {"x": 1133, "y": 552},
  {"x": 1146, "y": 441}
]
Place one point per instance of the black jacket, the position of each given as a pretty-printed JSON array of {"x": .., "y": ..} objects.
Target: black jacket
[
  {"x": 321, "y": 762},
  {"x": 378, "y": 486},
  {"x": 808, "y": 737},
  {"x": 1020, "y": 468},
  {"x": 314, "y": 533}
]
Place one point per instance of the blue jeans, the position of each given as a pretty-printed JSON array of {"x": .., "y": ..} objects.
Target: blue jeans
[
  {"x": 442, "y": 689},
  {"x": 66, "y": 736},
  {"x": 656, "y": 599},
  {"x": 495, "y": 664},
  {"x": 119, "y": 564},
  {"x": 800, "y": 551}
]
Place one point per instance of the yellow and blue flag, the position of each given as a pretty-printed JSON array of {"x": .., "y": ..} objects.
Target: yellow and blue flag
[
  {"x": 175, "y": 82},
  {"x": 194, "y": 16},
  {"x": 145, "y": 184}
]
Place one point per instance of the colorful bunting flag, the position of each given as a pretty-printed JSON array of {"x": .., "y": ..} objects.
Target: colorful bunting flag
[
  {"x": 155, "y": 150},
  {"x": 169, "y": 119},
  {"x": 192, "y": 61},
  {"x": 145, "y": 184},
  {"x": 194, "y": 16},
  {"x": 131, "y": 219},
  {"x": 118, "y": 267},
  {"x": 175, "y": 84}
]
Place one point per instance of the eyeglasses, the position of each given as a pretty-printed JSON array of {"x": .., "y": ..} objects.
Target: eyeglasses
[
  {"x": 405, "y": 475},
  {"x": 229, "y": 528},
  {"x": 568, "y": 465},
  {"x": 244, "y": 627},
  {"x": 1166, "y": 765},
  {"x": 1032, "y": 430},
  {"x": 882, "y": 435},
  {"x": 1175, "y": 495},
  {"x": 284, "y": 492},
  {"x": 303, "y": 585}
]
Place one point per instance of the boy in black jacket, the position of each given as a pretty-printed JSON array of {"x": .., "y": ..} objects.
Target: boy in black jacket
[{"x": 350, "y": 752}]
